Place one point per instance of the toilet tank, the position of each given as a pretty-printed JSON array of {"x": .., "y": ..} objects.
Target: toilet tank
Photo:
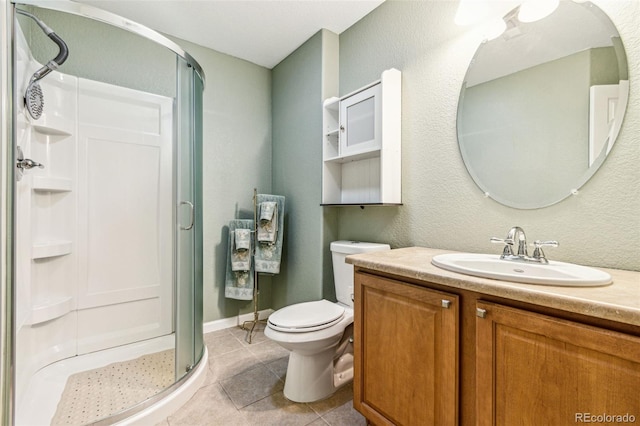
[{"x": 343, "y": 272}]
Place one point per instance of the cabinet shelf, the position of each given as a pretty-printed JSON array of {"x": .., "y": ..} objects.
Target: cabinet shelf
[
  {"x": 51, "y": 184},
  {"x": 51, "y": 249},
  {"x": 333, "y": 132},
  {"x": 354, "y": 157}
]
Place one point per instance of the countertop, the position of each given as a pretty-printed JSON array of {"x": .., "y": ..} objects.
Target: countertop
[{"x": 619, "y": 301}]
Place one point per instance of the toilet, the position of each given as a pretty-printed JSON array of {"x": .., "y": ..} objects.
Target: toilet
[{"x": 319, "y": 334}]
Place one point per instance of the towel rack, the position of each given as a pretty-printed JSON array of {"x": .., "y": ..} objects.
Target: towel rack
[{"x": 250, "y": 325}]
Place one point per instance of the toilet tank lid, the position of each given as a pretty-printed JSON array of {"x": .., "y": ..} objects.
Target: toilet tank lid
[{"x": 351, "y": 247}]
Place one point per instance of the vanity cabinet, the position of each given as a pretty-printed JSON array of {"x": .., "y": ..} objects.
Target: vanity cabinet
[
  {"x": 406, "y": 353},
  {"x": 537, "y": 369},
  {"x": 361, "y": 151},
  {"x": 432, "y": 354}
]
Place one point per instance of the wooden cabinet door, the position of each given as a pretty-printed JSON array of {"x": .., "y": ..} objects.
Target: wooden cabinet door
[
  {"x": 406, "y": 353},
  {"x": 533, "y": 369}
]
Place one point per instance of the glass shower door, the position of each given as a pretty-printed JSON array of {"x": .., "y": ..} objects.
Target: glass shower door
[{"x": 189, "y": 341}]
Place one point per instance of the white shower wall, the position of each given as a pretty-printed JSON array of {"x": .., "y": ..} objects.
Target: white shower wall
[
  {"x": 124, "y": 215},
  {"x": 95, "y": 226}
]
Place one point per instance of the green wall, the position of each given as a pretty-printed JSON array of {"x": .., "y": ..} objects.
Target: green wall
[{"x": 298, "y": 84}]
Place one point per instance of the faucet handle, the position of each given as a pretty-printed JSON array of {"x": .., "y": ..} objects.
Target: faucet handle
[
  {"x": 508, "y": 244},
  {"x": 538, "y": 253},
  {"x": 497, "y": 240}
]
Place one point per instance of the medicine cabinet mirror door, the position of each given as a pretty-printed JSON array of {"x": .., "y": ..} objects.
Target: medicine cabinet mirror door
[{"x": 360, "y": 122}]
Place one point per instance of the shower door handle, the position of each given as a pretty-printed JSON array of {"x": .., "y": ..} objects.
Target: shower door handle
[{"x": 192, "y": 215}]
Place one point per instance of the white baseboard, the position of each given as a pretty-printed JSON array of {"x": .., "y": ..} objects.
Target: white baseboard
[{"x": 234, "y": 321}]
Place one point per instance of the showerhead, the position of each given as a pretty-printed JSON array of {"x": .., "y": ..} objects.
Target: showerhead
[
  {"x": 34, "y": 100},
  {"x": 33, "y": 97}
]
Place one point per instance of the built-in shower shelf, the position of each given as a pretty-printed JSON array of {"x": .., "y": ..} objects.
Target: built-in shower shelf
[
  {"x": 51, "y": 249},
  {"x": 49, "y": 124},
  {"x": 50, "y": 309},
  {"x": 51, "y": 184}
]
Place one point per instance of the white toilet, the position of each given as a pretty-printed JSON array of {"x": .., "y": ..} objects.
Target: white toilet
[{"x": 319, "y": 334}]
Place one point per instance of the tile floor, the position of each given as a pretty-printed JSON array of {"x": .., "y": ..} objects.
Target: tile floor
[{"x": 244, "y": 388}]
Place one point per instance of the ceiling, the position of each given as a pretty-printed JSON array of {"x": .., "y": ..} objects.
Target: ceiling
[{"x": 260, "y": 31}]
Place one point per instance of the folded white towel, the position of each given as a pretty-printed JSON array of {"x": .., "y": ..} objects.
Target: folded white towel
[
  {"x": 268, "y": 228},
  {"x": 267, "y": 210},
  {"x": 242, "y": 239},
  {"x": 241, "y": 250},
  {"x": 269, "y": 238},
  {"x": 240, "y": 268}
]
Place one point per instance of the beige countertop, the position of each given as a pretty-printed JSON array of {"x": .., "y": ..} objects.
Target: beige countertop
[{"x": 619, "y": 301}]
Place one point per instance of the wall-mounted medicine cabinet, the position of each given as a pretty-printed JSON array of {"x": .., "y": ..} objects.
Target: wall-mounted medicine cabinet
[{"x": 361, "y": 145}]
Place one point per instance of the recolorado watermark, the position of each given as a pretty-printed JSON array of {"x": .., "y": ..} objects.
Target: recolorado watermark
[{"x": 604, "y": 418}]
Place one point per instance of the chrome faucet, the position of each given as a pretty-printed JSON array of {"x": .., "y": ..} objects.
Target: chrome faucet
[{"x": 517, "y": 235}]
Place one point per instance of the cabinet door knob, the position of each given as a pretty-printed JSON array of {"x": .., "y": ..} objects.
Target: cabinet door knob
[
  {"x": 482, "y": 313},
  {"x": 446, "y": 303}
]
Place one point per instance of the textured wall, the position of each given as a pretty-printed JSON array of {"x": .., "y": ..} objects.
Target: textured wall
[
  {"x": 297, "y": 125},
  {"x": 443, "y": 208}
]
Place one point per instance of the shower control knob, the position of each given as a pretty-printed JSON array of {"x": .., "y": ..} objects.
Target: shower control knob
[{"x": 28, "y": 163}]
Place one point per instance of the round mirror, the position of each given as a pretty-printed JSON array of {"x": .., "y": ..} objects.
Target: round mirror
[{"x": 542, "y": 104}]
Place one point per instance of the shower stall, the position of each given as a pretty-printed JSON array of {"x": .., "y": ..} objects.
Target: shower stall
[{"x": 101, "y": 217}]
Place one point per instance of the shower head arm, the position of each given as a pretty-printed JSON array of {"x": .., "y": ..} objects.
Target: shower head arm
[{"x": 62, "y": 56}]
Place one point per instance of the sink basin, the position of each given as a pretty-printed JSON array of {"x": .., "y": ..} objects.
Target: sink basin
[{"x": 491, "y": 266}]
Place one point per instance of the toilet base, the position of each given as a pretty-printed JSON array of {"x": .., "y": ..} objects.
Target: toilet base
[
  {"x": 309, "y": 378},
  {"x": 312, "y": 378}
]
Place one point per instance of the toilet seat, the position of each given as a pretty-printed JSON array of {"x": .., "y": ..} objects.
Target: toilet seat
[{"x": 306, "y": 317}]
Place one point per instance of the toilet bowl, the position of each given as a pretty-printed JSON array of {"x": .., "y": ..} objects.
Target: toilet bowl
[
  {"x": 310, "y": 372},
  {"x": 319, "y": 334}
]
